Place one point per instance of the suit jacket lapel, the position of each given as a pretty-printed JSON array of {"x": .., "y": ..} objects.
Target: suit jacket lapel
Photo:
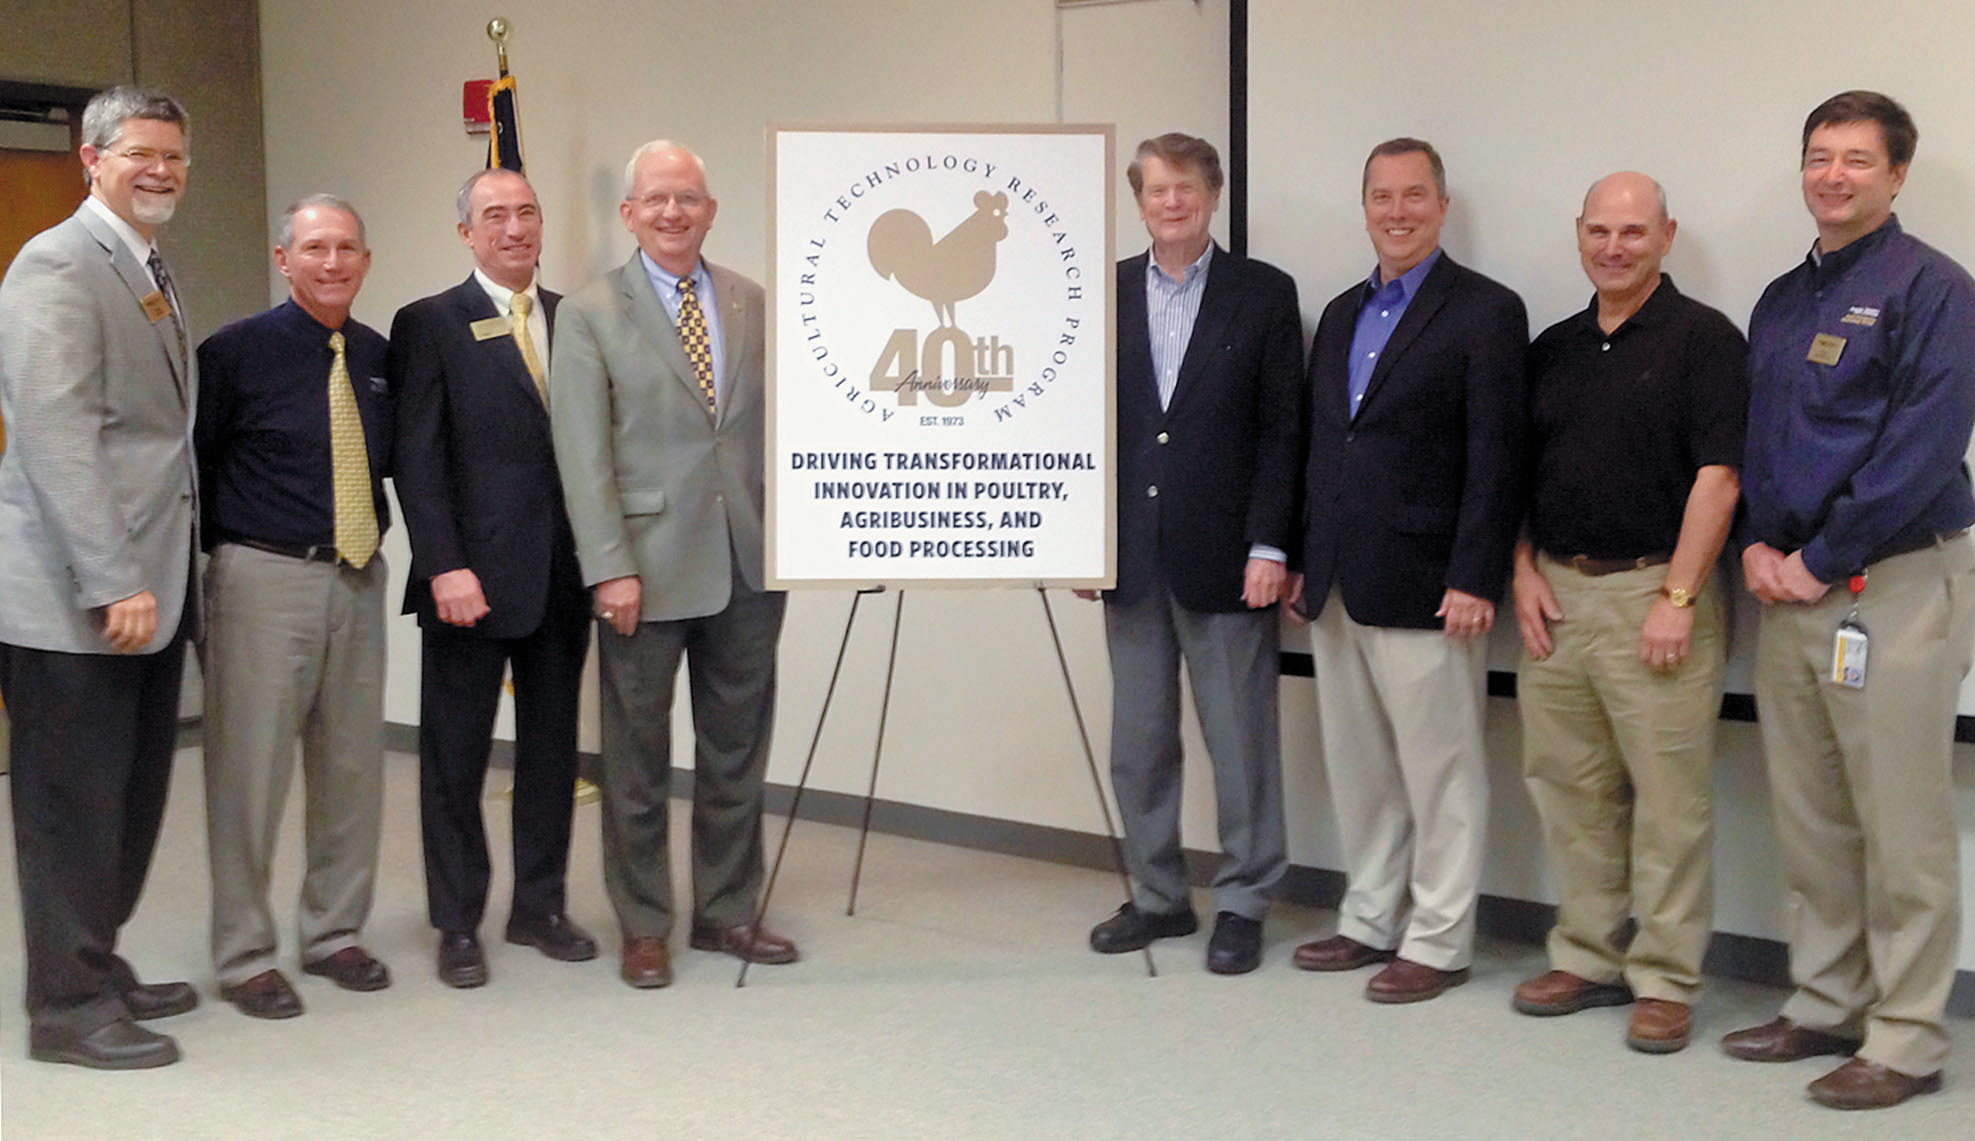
[
  {"x": 137, "y": 279},
  {"x": 648, "y": 314},
  {"x": 733, "y": 339},
  {"x": 502, "y": 354},
  {"x": 1216, "y": 306},
  {"x": 1432, "y": 295}
]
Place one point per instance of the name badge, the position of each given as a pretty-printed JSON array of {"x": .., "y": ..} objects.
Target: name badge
[
  {"x": 155, "y": 306},
  {"x": 1826, "y": 349},
  {"x": 487, "y": 328}
]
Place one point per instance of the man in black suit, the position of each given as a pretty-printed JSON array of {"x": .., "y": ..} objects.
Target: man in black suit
[
  {"x": 1416, "y": 382},
  {"x": 1210, "y": 415},
  {"x": 494, "y": 579}
]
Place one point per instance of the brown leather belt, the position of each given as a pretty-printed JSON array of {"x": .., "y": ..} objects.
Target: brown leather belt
[{"x": 1585, "y": 564}]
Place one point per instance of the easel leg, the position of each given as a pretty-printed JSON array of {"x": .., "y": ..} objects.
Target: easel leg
[
  {"x": 877, "y": 752},
  {"x": 802, "y": 782},
  {"x": 1090, "y": 760}
]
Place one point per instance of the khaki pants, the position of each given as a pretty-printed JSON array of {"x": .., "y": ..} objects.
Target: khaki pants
[
  {"x": 1863, "y": 792},
  {"x": 1401, "y": 712},
  {"x": 1619, "y": 759}
]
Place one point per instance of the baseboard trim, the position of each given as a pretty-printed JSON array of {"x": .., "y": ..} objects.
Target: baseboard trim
[{"x": 1745, "y": 957}]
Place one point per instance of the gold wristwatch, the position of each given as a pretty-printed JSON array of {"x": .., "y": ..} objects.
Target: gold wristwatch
[{"x": 1680, "y": 598}]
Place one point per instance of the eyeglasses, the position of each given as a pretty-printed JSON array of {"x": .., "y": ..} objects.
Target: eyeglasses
[
  {"x": 145, "y": 158},
  {"x": 687, "y": 200}
]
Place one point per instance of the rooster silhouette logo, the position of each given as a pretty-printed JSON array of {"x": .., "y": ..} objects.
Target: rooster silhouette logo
[{"x": 952, "y": 269}]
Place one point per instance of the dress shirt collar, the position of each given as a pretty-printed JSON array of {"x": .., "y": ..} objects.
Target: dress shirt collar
[
  {"x": 503, "y": 297},
  {"x": 134, "y": 241},
  {"x": 667, "y": 283},
  {"x": 1408, "y": 282},
  {"x": 1187, "y": 276},
  {"x": 1824, "y": 266}
]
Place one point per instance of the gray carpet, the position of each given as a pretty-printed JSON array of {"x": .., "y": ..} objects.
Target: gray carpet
[{"x": 959, "y": 1001}]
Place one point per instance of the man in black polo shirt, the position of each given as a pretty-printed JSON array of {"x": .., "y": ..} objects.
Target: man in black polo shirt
[
  {"x": 294, "y": 442},
  {"x": 1638, "y": 406}
]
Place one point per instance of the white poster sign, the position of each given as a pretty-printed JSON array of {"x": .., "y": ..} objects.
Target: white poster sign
[{"x": 941, "y": 361}]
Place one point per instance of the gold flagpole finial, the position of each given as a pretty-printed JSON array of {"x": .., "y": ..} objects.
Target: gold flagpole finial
[{"x": 497, "y": 30}]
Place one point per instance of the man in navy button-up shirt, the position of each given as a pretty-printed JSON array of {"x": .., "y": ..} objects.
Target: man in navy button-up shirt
[{"x": 1862, "y": 381}]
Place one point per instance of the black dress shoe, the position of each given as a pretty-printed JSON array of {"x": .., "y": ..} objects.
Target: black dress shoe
[
  {"x": 556, "y": 937},
  {"x": 351, "y": 968},
  {"x": 119, "y": 1045},
  {"x": 1131, "y": 929},
  {"x": 461, "y": 963},
  {"x": 1236, "y": 946},
  {"x": 159, "y": 1000},
  {"x": 266, "y": 995}
]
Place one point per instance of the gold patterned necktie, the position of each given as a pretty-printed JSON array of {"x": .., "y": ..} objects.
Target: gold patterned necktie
[
  {"x": 162, "y": 277},
  {"x": 693, "y": 338},
  {"x": 519, "y": 306},
  {"x": 356, "y": 513}
]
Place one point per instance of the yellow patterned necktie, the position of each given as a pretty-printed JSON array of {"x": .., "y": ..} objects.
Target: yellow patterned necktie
[
  {"x": 693, "y": 338},
  {"x": 519, "y": 306},
  {"x": 356, "y": 513}
]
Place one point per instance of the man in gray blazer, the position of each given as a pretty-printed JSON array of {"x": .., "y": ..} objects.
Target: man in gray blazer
[
  {"x": 96, "y": 539},
  {"x": 656, "y": 401}
]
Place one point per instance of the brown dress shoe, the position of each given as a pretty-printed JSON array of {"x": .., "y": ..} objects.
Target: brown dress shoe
[
  {"x": 351, "y": 968},
  {"x": 1560, "y": 992},
  {"x": 1781, "y": 1040},
  {"x": 266, "y": 995},
  {"x": 1338, "y": 953},
  {"x": 647, "y": 964},
  {"x": 1406, "y": 981},
  {"x": 1659, "y": 1026},
  {"x": 749, "y": 942},
  {"x": 1859, "y": 1084}
]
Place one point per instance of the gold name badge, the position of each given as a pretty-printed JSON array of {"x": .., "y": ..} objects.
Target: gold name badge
[
  {"x": 156, "y": 308},
  {"x": 487, "y": 328},
  {"x": 1826, "y": 349}
]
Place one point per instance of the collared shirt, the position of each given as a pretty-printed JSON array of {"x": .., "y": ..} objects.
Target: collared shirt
[
  {"x": 1862, "y": 397},
  {"x": 132, "y": 240},
  {"x": 503, "y": 298},
  {"x": 262, "y": 432},
  {"x": 1378, "y": 315},
  {"x": 667, "y": 286},
  {"x": 1171, "y": 307},
  {"x": 1621, "y": 422}
]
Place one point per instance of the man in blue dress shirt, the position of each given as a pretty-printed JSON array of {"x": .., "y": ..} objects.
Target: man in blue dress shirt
[
  {"x": 294, "y": 442},
  {"x": 1862, "y": 385}
]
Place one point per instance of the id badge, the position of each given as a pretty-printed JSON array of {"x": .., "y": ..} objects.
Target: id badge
[{"x": 1848, "y": 652}]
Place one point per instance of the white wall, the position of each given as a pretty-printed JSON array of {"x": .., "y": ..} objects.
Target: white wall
[{"x": 365, "y": 105}]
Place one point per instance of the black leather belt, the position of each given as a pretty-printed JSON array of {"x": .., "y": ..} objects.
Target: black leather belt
[
  {"x": 322, "y": 554},
  {"x": 1585, "y": 564},
  {"x": 1918, "y": 542}
]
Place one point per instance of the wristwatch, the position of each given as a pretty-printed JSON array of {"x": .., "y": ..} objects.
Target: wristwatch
[{"x": 1680, "y": 598}]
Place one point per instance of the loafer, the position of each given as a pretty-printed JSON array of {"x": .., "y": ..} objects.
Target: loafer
[
  {"x": 647, "y": 965},
  {"x": 1338, "y": 953},
  {"x": 1132, "y": 929},
  {"x": 462, "y": 964},
  {"x": 1236, "y": 945},
  {"x": 1781, "y": 1040},
  {"x": 1560, "y": 992},
  {"x": 351, "y": 968},
  {"x": 1859, "y": 1084},
  {"x": 119, "y": 1045},
  {"x": 555, "y": 936},
  {"x": 266, "y": 995},
  {"x": 749, "y": 942},
  {"x": 1403, "y": 980},
  {"x": 159, "y": 1000},
  {"x": 1659, "y": 1026}
]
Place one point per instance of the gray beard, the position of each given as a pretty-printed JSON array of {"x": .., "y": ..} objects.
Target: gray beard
[{"x": 152, "y": 212}]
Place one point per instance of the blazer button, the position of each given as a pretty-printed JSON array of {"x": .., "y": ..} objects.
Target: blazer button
[
  {"x": 1162, "y": 437},
  {"x": 1152, "y": 492}
]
